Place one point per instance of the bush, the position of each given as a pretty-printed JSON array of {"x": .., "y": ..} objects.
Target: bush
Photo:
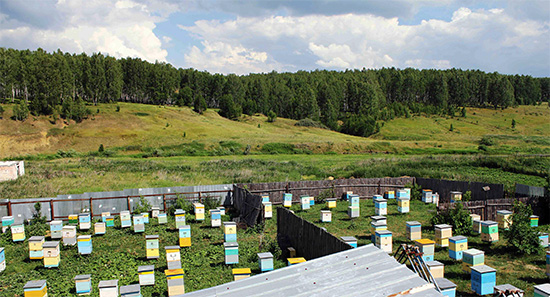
[
  {"x": 521, "y": 236},
  {"x": 271, "y": 116},
  {"x": 20, "y": 111},
  {"x": 142, "y": 206},
  {"x": 487, "y": 141},
  {"x": 458, "y": 217},
  {"x": 416, "y": 191},
  {"x": 467, "y": 196},
  {"x": 278, "y": 148},
  {"x": 310, "y": 123}
]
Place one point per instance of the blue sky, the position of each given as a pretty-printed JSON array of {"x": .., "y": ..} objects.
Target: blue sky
[{"x": 244, "y": 36}]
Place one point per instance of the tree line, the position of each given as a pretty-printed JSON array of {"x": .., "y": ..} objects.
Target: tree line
[{"x": 351, "y": 101}]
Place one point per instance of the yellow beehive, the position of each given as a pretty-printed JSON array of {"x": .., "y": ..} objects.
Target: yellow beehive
[
  {"x": 294, "y": 261},
  {"x": 175, "y": 281},
  {"x": 436, "y": 268},
  {"x": 240, "y": 273},
  {"x": 199, "y": 211}
]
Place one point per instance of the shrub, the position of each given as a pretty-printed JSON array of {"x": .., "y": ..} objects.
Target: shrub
[
  {"x": 487, "y": 141},
  {"x": 416, "y": 191},
  {"x": 458, "y": 217},
  {"x": 467, "y": 196},
  {"x": 271, "y": 116},
  {"x": 310, "y": 123},
  {"x": 278, "y": 148},
  {"x": 142, "y": 206},
  {"x": 20, "y": 111},
  {"x": 118, "y": 108},
  {"x": 101, "y": 149},
  {"x": 521, "y": 236}
]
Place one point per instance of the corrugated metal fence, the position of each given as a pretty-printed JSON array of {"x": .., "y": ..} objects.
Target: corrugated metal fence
[
  {"x": 444, "y": 188},
  {"x": 62, "y": 206},
  {"x": 529, "y": 191},
  {"x": 364, "y": 187},
  {"x": 309, "y": 240}
]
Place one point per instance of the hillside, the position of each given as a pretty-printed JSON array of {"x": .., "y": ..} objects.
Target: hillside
[{"x": 138, "y": 128}]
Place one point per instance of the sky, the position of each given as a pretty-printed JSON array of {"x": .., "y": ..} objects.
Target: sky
[{"x": 260, "y": 36}]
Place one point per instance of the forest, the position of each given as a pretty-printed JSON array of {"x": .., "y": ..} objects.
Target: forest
[{"x": 352, "y": 101}]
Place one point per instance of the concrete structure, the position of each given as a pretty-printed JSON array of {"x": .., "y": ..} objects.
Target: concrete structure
[{"x": 11, "y": 170}]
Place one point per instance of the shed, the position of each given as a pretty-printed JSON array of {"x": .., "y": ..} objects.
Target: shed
[{"x": 363, "y": 271}]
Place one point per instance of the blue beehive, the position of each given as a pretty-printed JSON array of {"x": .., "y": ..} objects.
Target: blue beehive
[
  {"x": 230, "y": 231},
  {"x": 483, "y": 279},
  {"x": 180, "y": 217},
  {"x": 266, "y": 261},
  {"x": 3, "y": 260},
  {"x": 139, "y": 225},
  {"x": 389, "y": 195},
  {"x": 125, "y": 219},
  {"x": 354, "y": 200},
  {"x": 377, "y": 197},
  {"x": 145, "y": 217},
  {"x": 304, "y": 200},
  {"x": 83, "y": 284},
  {"x": 7, "y": 221},
  {"x": 381, "y": 207},
  {"x": 403, "y": 193},
  {"x": 311, "y": 200},
  {"x": 56, "y": 228},
  {"x": 447, "y": 287},
  {"x": 350, "y": 240},
  {"x": 287, "y": 199},
  {"x": 185, "y": 236},
  {"x": 265, "y": 198},
  {"x": 84, "y": 244},
  {"x": 543, "y": 239},
  {"x": 84, "y": 222}
]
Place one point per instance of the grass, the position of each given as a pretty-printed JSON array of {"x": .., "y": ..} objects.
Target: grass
[
  {"x": 522, "y": 271},
  {"x": 140, "y": 129},
  {"x": 118, "y": 253},
  {"x": 88, "y": 174}
]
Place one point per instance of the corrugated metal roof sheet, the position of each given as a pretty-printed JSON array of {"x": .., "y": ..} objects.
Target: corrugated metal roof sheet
[{"x": 363, "y": 271}]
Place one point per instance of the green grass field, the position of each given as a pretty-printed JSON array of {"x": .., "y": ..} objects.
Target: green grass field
[
  {"x": 118, "y": 253},
  {"x": 139, "y": 129}
]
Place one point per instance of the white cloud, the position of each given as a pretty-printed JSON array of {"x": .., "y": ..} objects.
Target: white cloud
[
  {"x": 491, "y": 40},
  {"x": 120, "y": 29}
]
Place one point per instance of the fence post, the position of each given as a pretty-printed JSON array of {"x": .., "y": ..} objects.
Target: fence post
[
  {"x": 52, "y": 214},
  {"x": 200, "y": 198},
  {"x": 128, "y": 202},
  {"x": 164, "y": 201},
  {"x": 9, "y": 207},
  {"x": 91, "y": 208},
  {"x": 485, "y": 210}
]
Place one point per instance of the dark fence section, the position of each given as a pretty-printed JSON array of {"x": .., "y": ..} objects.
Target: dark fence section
[
  {"x": 444, "y": 188},
  {"x": 309, "y": 240},
  {"x": 248, "y": 205},
  {"x": 529, "y": 191},
  {"x": 364, "y": 187},
  {"x": 487, "y": 209}
]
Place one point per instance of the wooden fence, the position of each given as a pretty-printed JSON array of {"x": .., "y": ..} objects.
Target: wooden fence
[
  {"x": 309, "y": 240},
  {"x": 444, "y": 188},
  {"x": 364, "y": 187},
  {"x": 487, "y": 209}
]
